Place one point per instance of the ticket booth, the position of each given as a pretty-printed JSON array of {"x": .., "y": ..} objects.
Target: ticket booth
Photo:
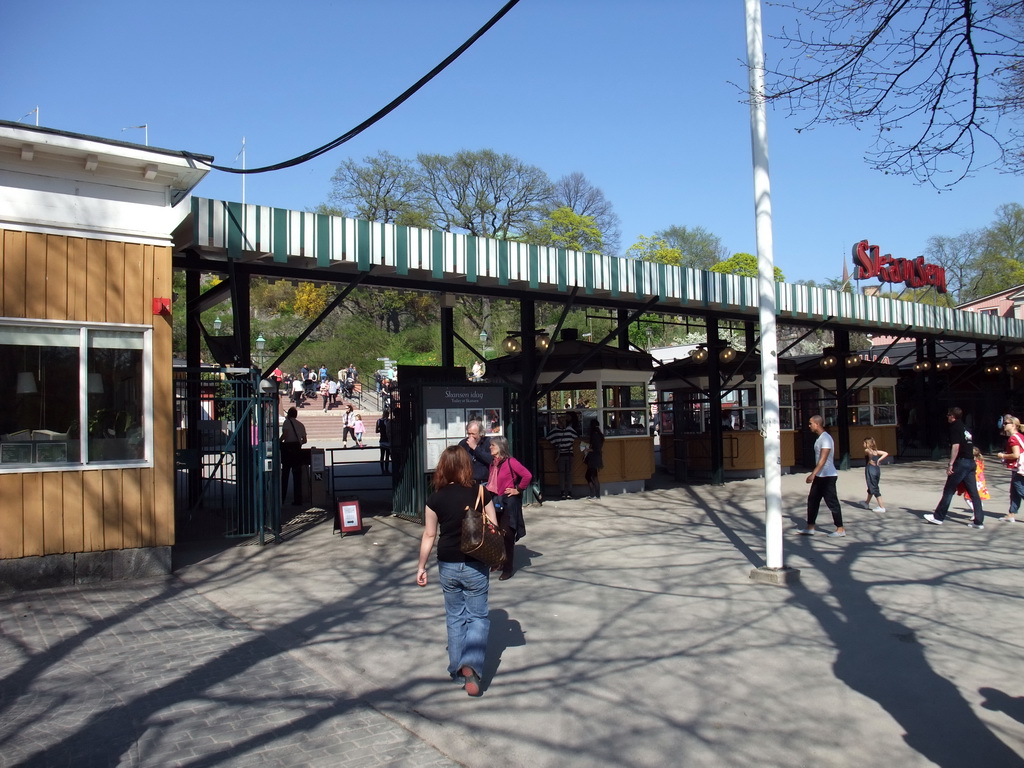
[
  {"x": 585, "y": 382},
  {"x": 868, "y": 391},
  {"x": 685, "y": 413}
]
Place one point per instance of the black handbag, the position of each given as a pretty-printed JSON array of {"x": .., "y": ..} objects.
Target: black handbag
[{"x": 481, "y": 539}]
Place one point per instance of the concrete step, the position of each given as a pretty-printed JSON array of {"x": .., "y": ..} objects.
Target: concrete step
[{"x": 324, "y": 425}]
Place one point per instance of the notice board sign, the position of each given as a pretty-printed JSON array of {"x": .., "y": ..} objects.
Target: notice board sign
[{"x": 348, "y": 518}]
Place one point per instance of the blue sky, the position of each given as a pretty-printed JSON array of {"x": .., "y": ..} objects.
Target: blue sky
[{"x": 641, "y": 97}]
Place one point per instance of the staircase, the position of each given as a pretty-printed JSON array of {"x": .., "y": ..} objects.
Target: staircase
[{"x": 324, "y": 425}]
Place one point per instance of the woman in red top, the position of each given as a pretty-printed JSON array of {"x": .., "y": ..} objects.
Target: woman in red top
[
  {"x": 464, "y": 579},
  {"x": 1012, "y": 459},
  {"x": 507, "y": 481}
]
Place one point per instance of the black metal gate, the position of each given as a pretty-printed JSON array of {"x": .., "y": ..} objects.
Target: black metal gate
[{"x": 226, "y": 455}]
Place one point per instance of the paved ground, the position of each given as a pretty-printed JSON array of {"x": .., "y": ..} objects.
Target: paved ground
[{"x": 631, "y": 636}]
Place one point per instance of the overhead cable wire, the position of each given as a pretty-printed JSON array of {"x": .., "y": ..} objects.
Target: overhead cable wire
[{"x": 382, "y": 113}]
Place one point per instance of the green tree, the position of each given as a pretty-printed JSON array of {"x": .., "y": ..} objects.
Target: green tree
[
  {"x": 698, "y": 247},
  {"x": 382, "y": 188},
  {"x": 484, "y": 193},
  {"x": 744, "y": 264},
  {"x": 927, "y": 296},
  {"x": 654, "y": 249},
  {"x": 563, "y": 228},
  {"x": 575, "y": 192},
  {"x": 994, "y": 273},
  {"x": 1005, "y": 235}
]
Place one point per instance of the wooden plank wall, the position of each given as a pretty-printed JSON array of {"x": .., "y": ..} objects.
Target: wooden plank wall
[{"x": 55, "y": 277}]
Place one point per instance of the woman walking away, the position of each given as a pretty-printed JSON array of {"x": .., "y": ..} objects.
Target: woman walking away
[
  {"x": 464, "y": 579},
  {"x": 507, "y": 481},
  {"x": 594, "y": 459},
  {"x": 1012, "y": 459},
  {"x": 384, "y": 430},
  {"x": 873, "y": 457}
]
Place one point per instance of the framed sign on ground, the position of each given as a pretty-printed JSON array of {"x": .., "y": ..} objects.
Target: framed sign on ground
[{"x": 348, "y": 518}]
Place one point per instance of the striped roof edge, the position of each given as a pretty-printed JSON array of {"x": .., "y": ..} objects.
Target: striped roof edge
[{"x": 246, "y": 231}]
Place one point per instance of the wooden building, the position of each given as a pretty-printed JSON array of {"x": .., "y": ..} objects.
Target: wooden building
[{"x": 86, "y": 427}]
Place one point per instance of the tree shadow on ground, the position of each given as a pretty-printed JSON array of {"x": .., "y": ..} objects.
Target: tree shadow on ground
[{"x": 884, "y": 659}]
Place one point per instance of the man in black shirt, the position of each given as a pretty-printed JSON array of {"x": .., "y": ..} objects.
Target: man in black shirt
[
  {"x": 960, "y": 470},
  {"x": 479, "y": 449}
]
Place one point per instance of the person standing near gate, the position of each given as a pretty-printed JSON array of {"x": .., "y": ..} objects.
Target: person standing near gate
[
  {"x": 478, "y": 447},
  {"x": 823, "y": 480},
  {"x": 293, "y": 437},
  {"x": 961, "y": 469},
  {"x": 562, "y": 439}
]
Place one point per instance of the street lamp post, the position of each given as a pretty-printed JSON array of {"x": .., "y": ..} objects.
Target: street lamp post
[
  {"x": 483, "y": 343},
  {"x": 261, "y": 344}
]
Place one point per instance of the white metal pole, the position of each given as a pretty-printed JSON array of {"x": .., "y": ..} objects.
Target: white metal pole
[
  {"x": 243, "y": 168},
  {"x": 765, "y": 289}
]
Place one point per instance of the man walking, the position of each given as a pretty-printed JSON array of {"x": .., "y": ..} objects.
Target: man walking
[
  {"x": 960, "y": 469},
  {"x": 823, "y": 480}
]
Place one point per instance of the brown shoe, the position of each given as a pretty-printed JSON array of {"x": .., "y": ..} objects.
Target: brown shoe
[{"x": 505, "y": 575}]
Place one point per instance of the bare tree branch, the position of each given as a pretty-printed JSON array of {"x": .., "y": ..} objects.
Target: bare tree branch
[{"x": 942, "y": 80}]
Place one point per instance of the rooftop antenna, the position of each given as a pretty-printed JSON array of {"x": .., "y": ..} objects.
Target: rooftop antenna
[{"x": 144, "y": 126}]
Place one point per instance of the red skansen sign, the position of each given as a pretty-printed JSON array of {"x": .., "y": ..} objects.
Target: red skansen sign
[{"x": 913, "y": 272}]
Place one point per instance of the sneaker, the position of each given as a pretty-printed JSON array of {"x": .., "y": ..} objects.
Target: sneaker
[
  {"x": 930, "y": 518},
  {"x": 805, "y": 531},
  {"x": 878, "y": 509},
  {"x": 836, "y": 534},
  {"x": 976, "y": 526},
  {"x": 1009, "y": 519}
]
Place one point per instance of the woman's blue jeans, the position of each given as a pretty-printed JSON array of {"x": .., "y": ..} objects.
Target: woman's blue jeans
[
  {"x": 1016, "y": 492},
  {"x": 465, "y": 606}
]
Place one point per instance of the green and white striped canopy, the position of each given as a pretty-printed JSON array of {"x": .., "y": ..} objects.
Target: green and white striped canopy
[{"x": 441, "y": 260}]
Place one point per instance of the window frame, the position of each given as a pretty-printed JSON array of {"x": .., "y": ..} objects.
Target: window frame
[{"x": 137, "y": 337}]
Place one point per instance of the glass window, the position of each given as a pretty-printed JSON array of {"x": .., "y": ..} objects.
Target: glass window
[
  {"x": 625, "y": 422},
  {"x": 625, "y": 396},
  {"x": 78, "y": 395},
  {"x": 883, "y": 395},
  {"x": 785, "y": 406},
  {"x": 785, "y": 395},
  {"x": 885, "y": 414}
]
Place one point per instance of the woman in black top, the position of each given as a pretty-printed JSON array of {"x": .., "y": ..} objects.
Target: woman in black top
[{"x": 464, "y": 579}]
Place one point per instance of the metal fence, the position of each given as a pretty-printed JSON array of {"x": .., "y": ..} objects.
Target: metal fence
[{"x": 226, "y": 456}]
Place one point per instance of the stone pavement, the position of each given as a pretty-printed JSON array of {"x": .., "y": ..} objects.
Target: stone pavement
[{"x": 630, "y": 636}]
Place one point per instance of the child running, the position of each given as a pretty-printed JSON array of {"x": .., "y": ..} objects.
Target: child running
[
  {"x": 873, "y": 473},
  {"x": 979, "y": 475}
]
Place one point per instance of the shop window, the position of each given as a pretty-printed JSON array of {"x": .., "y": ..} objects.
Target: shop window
[{"x": 76, "y": 395}]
